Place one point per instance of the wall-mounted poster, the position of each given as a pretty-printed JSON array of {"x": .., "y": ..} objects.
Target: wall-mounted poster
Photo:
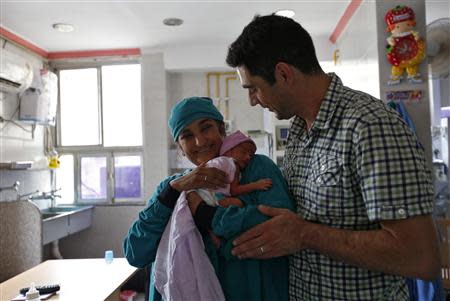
[{"x": 409, "y": 96}]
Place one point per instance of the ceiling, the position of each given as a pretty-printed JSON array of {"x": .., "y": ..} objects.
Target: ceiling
[
  {"x": 138, "y": 24},
  {"x": 209, "y": 25}
]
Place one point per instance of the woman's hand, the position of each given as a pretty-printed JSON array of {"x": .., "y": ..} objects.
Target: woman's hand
[
  {"x": 201, "y": 177},
  {"x": 194, "y": 201}
]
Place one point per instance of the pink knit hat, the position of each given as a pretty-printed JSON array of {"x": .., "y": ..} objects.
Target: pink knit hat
[{"x": 233, "y": 140}]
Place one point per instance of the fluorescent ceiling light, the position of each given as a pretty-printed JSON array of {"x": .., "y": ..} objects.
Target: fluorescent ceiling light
[
  {"x": 285, "y": 13},
  {"x": 173, "y": 21},
  {"x": 63, "y": 27}
]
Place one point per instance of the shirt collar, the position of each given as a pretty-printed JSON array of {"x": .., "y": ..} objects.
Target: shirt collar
[
  {"x": 327, "y": 108},
  {"x": 329, "y": 103}
]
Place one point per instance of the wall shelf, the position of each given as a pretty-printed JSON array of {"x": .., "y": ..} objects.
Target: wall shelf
[{"x": 16, "y": 165}]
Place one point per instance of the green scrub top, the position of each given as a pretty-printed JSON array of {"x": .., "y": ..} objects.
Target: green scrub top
[{"x": 246, "y": 279}]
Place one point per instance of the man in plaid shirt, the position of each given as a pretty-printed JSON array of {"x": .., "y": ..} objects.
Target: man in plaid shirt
[{"x": 363, "y": 193}]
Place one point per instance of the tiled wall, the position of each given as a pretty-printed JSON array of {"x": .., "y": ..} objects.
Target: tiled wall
[
  {"x": 17, "y": 144},
  {"x": 30, "y": 181}
]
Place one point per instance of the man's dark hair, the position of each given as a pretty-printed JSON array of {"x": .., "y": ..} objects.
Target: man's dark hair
[{"x": 268, "y": 40}]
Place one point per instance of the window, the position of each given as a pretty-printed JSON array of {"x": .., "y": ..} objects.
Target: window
[{"x": 100, "y": 134}]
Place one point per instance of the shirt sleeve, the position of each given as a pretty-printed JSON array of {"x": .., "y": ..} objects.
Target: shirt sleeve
[
  {"x": 231, "y": 221},
  {"x": 392, "y": 172},
  {"x": 143, "y": 237}
]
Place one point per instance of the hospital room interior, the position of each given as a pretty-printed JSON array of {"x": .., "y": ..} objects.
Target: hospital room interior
[{"x": 86, "y": 89}]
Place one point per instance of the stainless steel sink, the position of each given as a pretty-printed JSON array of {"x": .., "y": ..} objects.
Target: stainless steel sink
[
  {"x": 61, "y": 209},
  {"x": 61, "y": 221},
  {"x": 57, "y": 212},
  {"x": 49, "y": 215}
]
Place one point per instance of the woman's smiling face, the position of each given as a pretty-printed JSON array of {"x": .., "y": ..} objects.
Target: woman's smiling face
[{"x": 201, "y": 140}]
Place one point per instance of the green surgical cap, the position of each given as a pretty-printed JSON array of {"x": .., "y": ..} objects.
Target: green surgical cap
[{"x": 189, "y": 110}]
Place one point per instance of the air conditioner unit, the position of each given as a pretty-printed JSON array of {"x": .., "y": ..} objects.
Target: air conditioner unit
[{"x": 16, "y": 74}]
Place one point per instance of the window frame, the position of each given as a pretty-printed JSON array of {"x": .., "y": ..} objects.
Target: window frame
[{"x": 109, "y": 152}]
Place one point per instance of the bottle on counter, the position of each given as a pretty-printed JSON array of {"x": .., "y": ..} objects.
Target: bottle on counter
[
  {"x": 109, "y": 256},
  {"x": 32, "y": 294}
]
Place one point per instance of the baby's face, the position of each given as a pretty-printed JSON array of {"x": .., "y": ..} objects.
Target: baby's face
[{"x": 242, "y": 153}]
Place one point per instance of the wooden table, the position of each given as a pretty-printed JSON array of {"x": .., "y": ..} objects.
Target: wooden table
[{"x": 80, "y": 279}]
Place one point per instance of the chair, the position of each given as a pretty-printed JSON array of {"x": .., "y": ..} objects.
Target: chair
[{"x": 20, "y": 237}]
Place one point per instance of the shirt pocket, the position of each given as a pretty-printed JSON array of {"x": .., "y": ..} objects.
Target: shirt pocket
[
  {"x": 325, "y": 171},
  {"x": 323, "y": 191}
]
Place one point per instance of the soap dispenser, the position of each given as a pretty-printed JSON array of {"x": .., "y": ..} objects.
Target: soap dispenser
[{"x": 32, "y": 294}]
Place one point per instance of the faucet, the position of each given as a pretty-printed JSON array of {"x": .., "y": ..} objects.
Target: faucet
[
  {"x": 14, "y": 187},
  {"x": 53, "y": 196},
  {"x": 47, "y": 195},
  {"x": 29, "y": 195}
]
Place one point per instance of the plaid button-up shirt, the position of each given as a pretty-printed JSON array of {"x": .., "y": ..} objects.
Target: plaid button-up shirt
[{"x": 359, "y": 164}]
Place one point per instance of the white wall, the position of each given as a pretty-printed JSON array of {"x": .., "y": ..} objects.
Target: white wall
[
  {"x": 194, "y": 83},
  {"x": 181, "y": 84},
  {"x": 357, "y": 64},
  {"x": 109, "y": 226},
  {"x": 17, "y": 144},
  {"x": 212, "y": 56}
]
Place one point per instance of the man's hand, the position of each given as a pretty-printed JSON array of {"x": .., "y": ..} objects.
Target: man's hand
[{"x": 279, "y": 236}]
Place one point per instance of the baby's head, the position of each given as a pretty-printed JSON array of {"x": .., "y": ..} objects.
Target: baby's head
[{"x": 239, "y": 147}]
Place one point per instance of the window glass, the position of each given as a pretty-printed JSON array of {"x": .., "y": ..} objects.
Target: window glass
[
  {"x": 79, "y": 105},
  {"x": 127, "y": 175},
  {"x": 93, "y": 178},
  {"x": 100, "y": 130},
  {"x": 121, "y": 94}
]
